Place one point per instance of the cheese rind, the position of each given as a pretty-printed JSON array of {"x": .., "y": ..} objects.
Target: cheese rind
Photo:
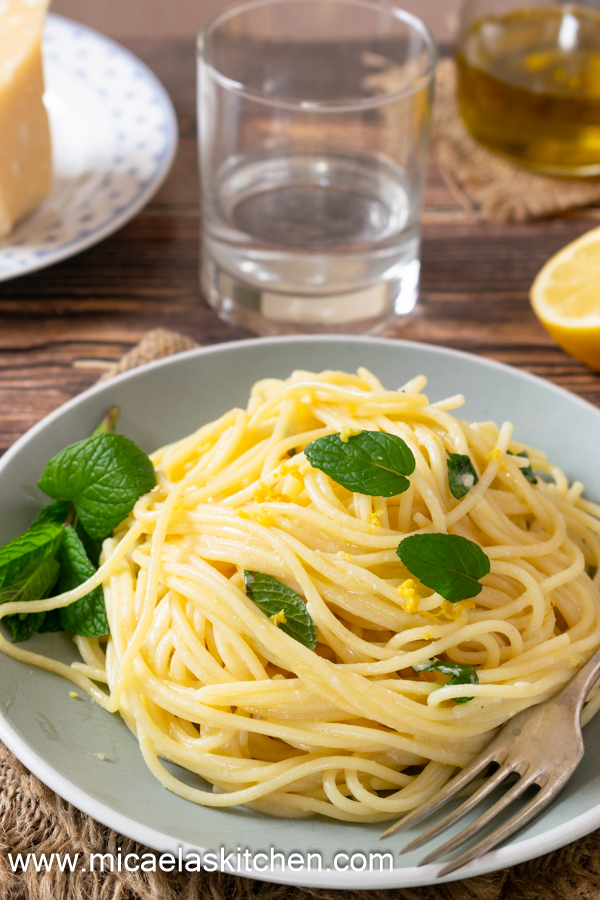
[{"x": 25, "y": 147}]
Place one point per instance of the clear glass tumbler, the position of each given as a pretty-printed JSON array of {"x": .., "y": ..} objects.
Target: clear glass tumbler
[{"x": 313, "y": 133}]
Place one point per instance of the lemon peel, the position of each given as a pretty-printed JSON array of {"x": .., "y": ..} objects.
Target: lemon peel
[
  {"x": 260, "y": 516},
  {"x": 565, "y": 298},
  {"x": 287, "y": 469},
  {"x": 451, "y": 611},
  {"x": 495, "y": 455},
  {"x": 454, "y": 611},
  {"x": 265, "y": 494},
  {"x": 348, "y": 432},
  {"x": 409, "y": 596}
]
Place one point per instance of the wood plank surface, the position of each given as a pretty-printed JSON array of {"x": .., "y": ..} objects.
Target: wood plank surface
[
  {"x": 59, "y": 327},
  {"x": 183, "y": 18}
]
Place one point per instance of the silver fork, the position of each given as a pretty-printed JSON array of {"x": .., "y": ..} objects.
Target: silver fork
[{"x": 543, "y": 745}]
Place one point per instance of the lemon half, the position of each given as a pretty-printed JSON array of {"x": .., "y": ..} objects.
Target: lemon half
[{"x": 566, "y": 298}]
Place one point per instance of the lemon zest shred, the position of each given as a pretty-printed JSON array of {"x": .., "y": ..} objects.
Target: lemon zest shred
[
  {"x": 348, "y": 432},
  {"x": 495, "y": 455},
  {"x": 287, "y": 469},
  {"x": 264, "y": 517},
  {"x": 260, "y": 516},
  {"x": 433, "y": 617},
  {"x": 454, "y": 611},
  {"x": 265, "y": 494},
  {"x": 279, "y": 618},
  {"x": 409, "y": 596}
]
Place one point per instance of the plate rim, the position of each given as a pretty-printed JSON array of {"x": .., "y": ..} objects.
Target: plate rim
[
  {"x": 409, "y": 876},
  {"x": 78, "y": 245}
]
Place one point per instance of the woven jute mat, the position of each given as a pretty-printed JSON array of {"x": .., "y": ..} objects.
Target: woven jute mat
[
  {"x": 488, "y": 185},
  {"x": 34, "y": 819}
]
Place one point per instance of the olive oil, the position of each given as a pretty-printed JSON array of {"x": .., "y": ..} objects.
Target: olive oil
[{"x": 529, "y": 87}]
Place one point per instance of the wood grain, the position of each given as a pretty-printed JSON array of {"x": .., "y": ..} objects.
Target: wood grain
[
  {"x": 183, "y": 18},
  {"x": 59, "y": 327}
]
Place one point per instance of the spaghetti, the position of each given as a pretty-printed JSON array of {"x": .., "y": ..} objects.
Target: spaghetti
[{"x": 352, "y": 730}]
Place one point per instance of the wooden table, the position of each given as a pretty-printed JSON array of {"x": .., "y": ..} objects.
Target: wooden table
[{"x": 59, "y": 327}]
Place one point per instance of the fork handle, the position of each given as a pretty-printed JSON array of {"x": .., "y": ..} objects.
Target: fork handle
[{"x": 576, "y": 690}]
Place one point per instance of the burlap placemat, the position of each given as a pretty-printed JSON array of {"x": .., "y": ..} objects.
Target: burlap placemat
[
  {"x": 485, "y": 183},
  {"x": 34, "y": 819}
]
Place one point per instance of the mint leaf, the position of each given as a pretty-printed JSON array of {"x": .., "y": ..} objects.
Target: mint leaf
[
  {"x": 461, "y": 474},
  {"x": 28, "y": 570},
  {"x": 51, "y": 621},
  {"x": 92, "y": 546},
  {"x": 24, "y": 625},
  {"x": 34, "y": 583},
  {"x": 86, "y": 616},
  {"x": 447, "y": 563},
  {"x": 461, "y": 674},
  {"x": 527, "y": 471},
  {"x": 273, "y": 598},
  {"x": 34, "y": 545},
  {"x": 372, "y": 462},
  {"x": 57, "y": 512},
  {"x": 102, "y": 476}
]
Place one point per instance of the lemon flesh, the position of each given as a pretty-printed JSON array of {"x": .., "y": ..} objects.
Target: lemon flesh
[{"x": 566, "y": 298}]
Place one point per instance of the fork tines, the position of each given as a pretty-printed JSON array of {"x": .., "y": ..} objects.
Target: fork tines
[
  {"x": 450, "y": 790},
  {"x": 454, "y": 787}
]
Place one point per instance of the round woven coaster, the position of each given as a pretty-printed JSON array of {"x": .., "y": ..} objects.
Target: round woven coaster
[
  {"x": 33, "y": 819},
  {"x": 488, "y": 185}
]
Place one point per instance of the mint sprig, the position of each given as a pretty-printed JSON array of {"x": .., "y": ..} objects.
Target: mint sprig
[
  {"x": 95, "y": 483},
  {"x": 277, "y": 599},
  {"x": 461, "y": 474},
  {"x": 448, "y": 563},
  {"x": 372, "y": 462},
  {"x": 102, "y": 476},
  {"x": 460, "y": 672}
]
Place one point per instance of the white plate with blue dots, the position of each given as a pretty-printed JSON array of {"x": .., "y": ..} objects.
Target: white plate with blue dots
[{"x": 114, "y": 136}]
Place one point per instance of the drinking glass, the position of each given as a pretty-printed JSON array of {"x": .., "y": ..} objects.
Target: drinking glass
[
  {"x": 529, "y": 82},
  {"x": 313, "y": 130}
]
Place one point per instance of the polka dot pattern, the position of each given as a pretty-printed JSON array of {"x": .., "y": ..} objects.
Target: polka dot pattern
[{"x": 114, "y": 136}]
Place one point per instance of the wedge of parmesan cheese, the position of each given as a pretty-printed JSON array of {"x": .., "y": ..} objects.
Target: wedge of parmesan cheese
[{"x": 25, "y": 149}]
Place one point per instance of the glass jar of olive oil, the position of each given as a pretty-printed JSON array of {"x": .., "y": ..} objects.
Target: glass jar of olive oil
[{"x": 529, "y": 82}]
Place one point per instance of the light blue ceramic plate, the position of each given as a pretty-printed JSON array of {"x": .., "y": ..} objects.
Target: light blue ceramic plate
[
  {"x": 57, "y": 737},
  {"x": 114, "y": 136}
]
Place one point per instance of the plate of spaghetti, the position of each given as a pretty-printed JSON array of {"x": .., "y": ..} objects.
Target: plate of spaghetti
[{"x": 359, "y": 558}]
